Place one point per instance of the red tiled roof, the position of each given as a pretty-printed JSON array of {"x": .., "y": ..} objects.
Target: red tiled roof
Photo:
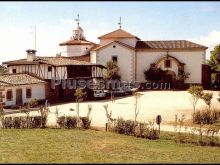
[
  {"x": 97, "y": 47},
  {"x": 82, "y": 58},
  {"x": 76, "y": 42},
  {"x": 18, "y": 79},
  {"x": 169, "y": 44},
  {"x": 118, "y": 34},
  {"x": 55, "y": 61}
]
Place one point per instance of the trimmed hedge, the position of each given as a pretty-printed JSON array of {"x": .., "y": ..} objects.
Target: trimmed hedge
[
  {"x": 67, "y": 122},
  {"x": 24, "y": 122},
  {"x": 143, "y": 130},
  {"x": 207, "y": 116}
]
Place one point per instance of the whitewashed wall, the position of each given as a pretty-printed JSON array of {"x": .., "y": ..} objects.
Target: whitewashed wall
[
  {"x": 38, "y": 92},
  {"x": 125, "y": 59},
  {"x": 193, "y": 62},
  {"x": 75, "y": 50},
  {"x": 93, "y": 57}
]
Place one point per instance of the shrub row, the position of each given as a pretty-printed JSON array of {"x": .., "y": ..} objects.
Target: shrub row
[
  {"x": 24, "y": 122},
  {"x": 143, "y": 130},
  {"x": 207, "y": 116},
  {"x": 70, "y": 122}
]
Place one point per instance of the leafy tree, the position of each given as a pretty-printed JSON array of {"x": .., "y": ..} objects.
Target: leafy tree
[
  {"x": 214, "y": 61},
  {"x": 196, "y": 92},
  {"x": 154, "y": 74},
  {"x": 112, "y": 71},
  {"x": 79, "y": 94},
  {"x": 207, "y": 97}
]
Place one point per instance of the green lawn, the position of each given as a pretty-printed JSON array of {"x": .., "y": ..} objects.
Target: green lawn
[{"x": 90, "y": 146}]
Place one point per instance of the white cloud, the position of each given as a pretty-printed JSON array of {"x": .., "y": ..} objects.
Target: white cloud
[{"x": 211, "y": 40}]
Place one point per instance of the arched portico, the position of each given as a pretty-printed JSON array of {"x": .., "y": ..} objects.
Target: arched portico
[{"x": 170, "y": 64}]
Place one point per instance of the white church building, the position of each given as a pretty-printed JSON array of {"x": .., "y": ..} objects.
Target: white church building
[
  {"x": 81, "y": 58},
  {"x": 134, "y": 56}
]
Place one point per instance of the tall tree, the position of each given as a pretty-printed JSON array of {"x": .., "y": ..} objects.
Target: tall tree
[
  {"x": 196, "y": 92},
  {"x": 112, "y": 71},
  {"x": 214, "y": 61}
]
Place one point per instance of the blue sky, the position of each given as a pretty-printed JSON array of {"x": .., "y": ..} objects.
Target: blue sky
[{"x": 195, "y": 21}]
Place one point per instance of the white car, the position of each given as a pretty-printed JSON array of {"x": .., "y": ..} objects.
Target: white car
[{"x": 99, "y": 93}]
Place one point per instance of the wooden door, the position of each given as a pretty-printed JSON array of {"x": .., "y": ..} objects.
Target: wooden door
[{"x": 19, "y": 100}]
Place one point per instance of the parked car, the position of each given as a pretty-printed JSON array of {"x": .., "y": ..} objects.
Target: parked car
[
  {"x": 116, "y": 92},
  {"x": 129, "y": 90},
  {"x": 98, "y": 93}
]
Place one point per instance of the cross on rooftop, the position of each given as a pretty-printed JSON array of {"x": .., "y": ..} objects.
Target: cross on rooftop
[
  {"x": 120, "y": 23},
  {"x": 77, "y": 20}
]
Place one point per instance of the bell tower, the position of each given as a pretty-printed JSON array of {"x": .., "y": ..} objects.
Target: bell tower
[{"x": 78, "y": 33}]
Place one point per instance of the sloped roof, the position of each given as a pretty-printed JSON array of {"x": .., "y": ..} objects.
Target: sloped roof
[
  {"x": 168, "y": 44},
  {"x": 119, "y": 33},
  {"x": 97, "y": 47},
  {"x": 55, "y": 61},
  {"x": 18, "y": 79},
  {"x": 85, "y": 57},
  {"x": 76, "y": 42}
]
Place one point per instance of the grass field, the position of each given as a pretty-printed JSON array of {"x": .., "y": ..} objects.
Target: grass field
[{"x": 90, "y": 146}]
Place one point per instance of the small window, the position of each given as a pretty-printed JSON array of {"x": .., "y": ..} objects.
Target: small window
[
  {"x": 115, "y": 59},
  {"x": 167, "y": 64},
  {"x": 28, "y": 93},
  {"x": 114, "y": 46},
  {"x": 49, "y": 69},
  {"x": 9, "y": 95},
  {"x": 14, "y": 71}
]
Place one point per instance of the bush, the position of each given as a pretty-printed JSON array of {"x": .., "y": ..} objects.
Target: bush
[
  {"x": 61, "y": 121},
  {"x": 23, "y": 122},
  {"x": 207, "y": 116},
  {"x": 17, "y": 122},
  {"x": 147, "y": 130},
  {"x": 85, "y": 122},
  {"x": 7, "y": 122},
  {"x": 71, "y": 122},
  {"x": 37, "y": 122},
  {"x": 122, "y": 126},
  {"x": 143, "y": 130},
  {"x": 67, "y": 122},
  {"x": 32, "y": 103},
  {"x": 155, "y": 74}
]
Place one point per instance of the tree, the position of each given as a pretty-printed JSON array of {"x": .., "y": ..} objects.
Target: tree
[
  {"x": 207, "y": 97},
  {"x": 214, "y": 61},
  {"x": 112, "y": 71},
  {"x": 136, "y": 108},
  {"x": 109, "y": 117},
  {"x": 79, "y": 94},
  {"x": 196, "y": 92}
]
